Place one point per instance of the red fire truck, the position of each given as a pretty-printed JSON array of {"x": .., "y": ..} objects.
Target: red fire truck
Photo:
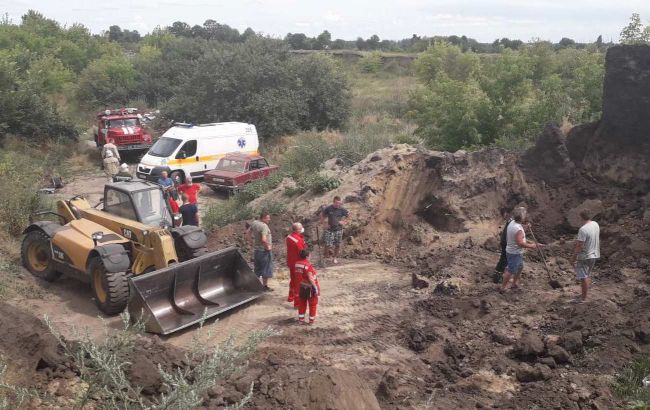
[{"x": 124, "y": 127}]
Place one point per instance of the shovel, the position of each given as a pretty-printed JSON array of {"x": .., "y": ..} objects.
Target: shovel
[{"x": 552, "y": 282}]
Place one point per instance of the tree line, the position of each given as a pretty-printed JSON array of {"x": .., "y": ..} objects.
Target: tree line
[{"x": 49, "y": 73}]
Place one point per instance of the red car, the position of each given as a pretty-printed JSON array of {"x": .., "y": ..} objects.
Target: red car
[{"x": 236, "y": 170}]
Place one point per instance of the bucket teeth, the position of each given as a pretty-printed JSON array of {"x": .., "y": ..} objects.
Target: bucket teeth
[{"x": 181, "y": 295}]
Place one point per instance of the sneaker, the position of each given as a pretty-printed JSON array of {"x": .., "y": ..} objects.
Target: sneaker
[
  {"x": 311, "y": 322},
  {"x": 268, "y": 289},
  {"x": 335, "y": 261}
]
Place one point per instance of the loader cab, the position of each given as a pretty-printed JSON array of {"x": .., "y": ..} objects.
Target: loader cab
[{"x": 139, "y": 201}]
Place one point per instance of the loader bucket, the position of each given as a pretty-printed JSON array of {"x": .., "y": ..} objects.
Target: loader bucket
[{"x": 183, "y": 294}]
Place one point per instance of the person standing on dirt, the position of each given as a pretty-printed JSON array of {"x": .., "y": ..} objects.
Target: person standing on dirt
[
  {"x": 191, "y": 189},
  {"x": 262, "y": 245},
  {"x": 309, "y": 290},
  {"x": 167, "y": 184},
  {"x": 111, "y": 165},
  {"x": 110, "y": 147},
  {"x": 189, "y": 211},
  {"x": 334, "y": 218},
  {"x": 515, "y": 244},
  {"x": 586, "y": 252},
  {"x": 295, "y": 243}
]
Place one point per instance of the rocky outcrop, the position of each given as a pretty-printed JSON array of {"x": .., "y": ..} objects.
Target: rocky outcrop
[
  {"x": 626, "y": 94},
  {"x": 617, "y": 147}
]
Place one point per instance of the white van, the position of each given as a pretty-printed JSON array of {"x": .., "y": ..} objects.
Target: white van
[{"x": 187, "y": 149}]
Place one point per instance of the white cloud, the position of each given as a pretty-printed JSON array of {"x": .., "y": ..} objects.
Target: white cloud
[{"x": 484, "y": 20}]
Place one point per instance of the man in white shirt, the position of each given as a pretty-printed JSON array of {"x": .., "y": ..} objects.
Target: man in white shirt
[
  {"x": 586, "y": 252},
  {"x": 515, "y": 244}
]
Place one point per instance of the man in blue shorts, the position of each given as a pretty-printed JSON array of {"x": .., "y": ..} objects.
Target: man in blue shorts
[
  {"x": 515, "y": 245},
  {"x": 586, "y": 252},
  {"x": 334, "y": 217}
]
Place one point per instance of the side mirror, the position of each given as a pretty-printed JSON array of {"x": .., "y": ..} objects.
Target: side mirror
[{"x": 97, "y": 236}]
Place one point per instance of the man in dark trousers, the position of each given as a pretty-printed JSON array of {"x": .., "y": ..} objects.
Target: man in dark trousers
[
  {"x": 334, "y": 217},
  {"x": 501, "y": 265},
  {"x": 189, "y": 211}
]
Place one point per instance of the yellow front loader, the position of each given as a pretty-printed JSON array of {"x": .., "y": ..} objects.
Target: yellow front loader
[{"x": 134, "y": 236}]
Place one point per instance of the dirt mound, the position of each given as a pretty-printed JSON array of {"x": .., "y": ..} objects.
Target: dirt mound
[
  {"x": 283, "y": 379},
  {"x": 404, "y": 197},
  {"x": 27, "y": 346},
  {"x": 148, "y": 354},
  {"x": 549, "y": 158}
]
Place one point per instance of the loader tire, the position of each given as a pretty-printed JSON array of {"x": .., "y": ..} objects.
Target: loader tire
[
  {"x": 36, "y": 256},
  {"x": 111, "y": 289},
  {"x": 185, "y": 254}
]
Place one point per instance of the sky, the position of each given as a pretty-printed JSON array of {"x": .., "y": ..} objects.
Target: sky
[{"x": 484, "y": 20}]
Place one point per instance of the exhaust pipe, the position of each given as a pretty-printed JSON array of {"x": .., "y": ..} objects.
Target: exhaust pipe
[{"x": 181, "y": 295}]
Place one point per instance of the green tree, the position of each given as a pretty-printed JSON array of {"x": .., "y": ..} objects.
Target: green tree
[
  {"x": 323, "y": 40},
  {"x": 260, "y": 82},
  {"x": 325, "y": 92},
  {"x": 635, "y": 32},
  {"x": 503, "y": 99},
  {"x": 567, "y": 42},
  {"x": 452, "y": 114},
  {"x": 373, "y": 42},
  {"x": 108, "y": 80},
  {"x": 370, "y": 62},
  {"x": 448, "y": 59}
]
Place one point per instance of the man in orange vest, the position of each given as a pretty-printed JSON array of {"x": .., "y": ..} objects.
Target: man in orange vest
[
  {"x": 309, "y": 288},
  {"x": 295, "y": 243}
]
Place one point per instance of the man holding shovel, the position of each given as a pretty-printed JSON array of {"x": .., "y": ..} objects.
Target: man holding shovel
[
  {"x": 516, "y": 243},
  {"x": 586, "y": 252}
]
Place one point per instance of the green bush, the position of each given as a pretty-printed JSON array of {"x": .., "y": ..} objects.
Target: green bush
[
  {"x": 20, "y": 177},
  {"x": 273, "y": 207},
  {"x": 629, "y": 383},
  {"x": 370, "y": 63},
  {"x": 320, "y": 184},
  {"x": 477, "y": 100},
  {"x": 102, "y": 369},
  {"x": 316, "y": 183},
  {"x": 222, "y": 214},
  {"x": 257, "y": 188},
  {"x": 107, "y": 81}
]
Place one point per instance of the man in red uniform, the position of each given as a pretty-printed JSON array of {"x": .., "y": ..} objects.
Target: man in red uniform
[
  {"x": 309, "y": 288},
  {"x": 295, "y": 243}
]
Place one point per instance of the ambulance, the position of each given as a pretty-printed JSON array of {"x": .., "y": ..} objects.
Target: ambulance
[{"x": 187, "y": 149}]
